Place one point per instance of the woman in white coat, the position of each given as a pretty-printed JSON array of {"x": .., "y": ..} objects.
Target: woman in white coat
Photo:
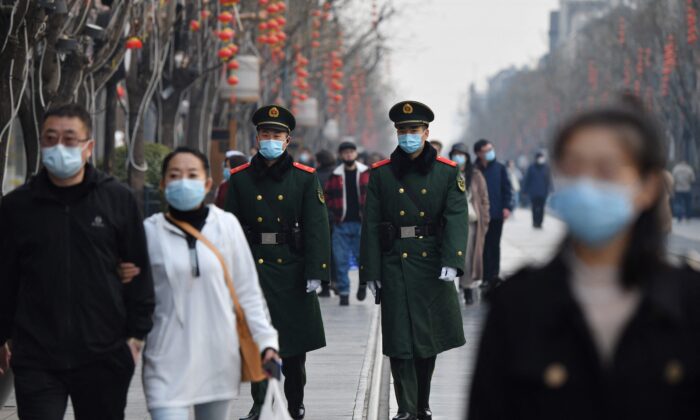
[{"x": 191, "y": 358}]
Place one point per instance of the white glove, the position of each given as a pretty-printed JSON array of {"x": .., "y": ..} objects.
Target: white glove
[
  {"x": 312, "y": 285},
  {"x": 448, "y": 274},
  {"x": 373, "y": 286}
]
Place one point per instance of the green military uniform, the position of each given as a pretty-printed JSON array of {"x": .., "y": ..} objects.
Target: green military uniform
[
  {"x": 423, "y": 199},
  {"x": 271, "y": 203}
]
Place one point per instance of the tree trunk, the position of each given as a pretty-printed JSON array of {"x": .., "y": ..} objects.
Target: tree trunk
[
  {"x": 30, "y": 133},
  {"x": 110, "y": 123},
  {"x": 168, "y": 119}
]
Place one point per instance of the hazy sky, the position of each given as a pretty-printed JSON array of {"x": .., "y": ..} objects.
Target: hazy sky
[{"x": 441, "y": 46}]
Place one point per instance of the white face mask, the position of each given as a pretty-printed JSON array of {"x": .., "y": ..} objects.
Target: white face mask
[{"x": 61, "y": 161}]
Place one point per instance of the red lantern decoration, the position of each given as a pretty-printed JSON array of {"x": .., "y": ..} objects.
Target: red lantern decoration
[
  {"x": 281, "y": 36},
  {"x": 315, "y": 34},
  {"x": 281, "y": 21},
  {"x": 233, "y": 65},
  {"x": 134, "y": 43},
  {"x": 262, "y": 39},
  {"x": 262, "y": 26},
  {"x": 233, "y": 48},
  {"x": 315, "y": 44},
  {"x": 272, "y": 9},
  {"x": 121, "y": 92},
  {"x": 281, "y": 6},
  {"x": 225, "y": 17},
  {"x": 263, "y": 2},
  {"x": 272, "y": 24},
  {"x": 194, "y": 25},
  {"x": 224, "y": 54},
  {"x": 232, "y": 80},
  {"x": 692, "y": 22},
  {"x": 226, "y": 34},
  {"x": 316, "y": 13},
  {"x": 205, "y": 14},
  {"x": 272, "y": 39}
]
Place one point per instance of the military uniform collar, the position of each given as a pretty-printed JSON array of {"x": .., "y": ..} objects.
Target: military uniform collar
[
  {"x": 401, "y": 162},
  {"x": 277, "y": 171}
]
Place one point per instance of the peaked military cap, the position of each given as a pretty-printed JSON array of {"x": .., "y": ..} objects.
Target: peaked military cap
[
  {"x": 275, "y": 117},
  {"x": 410, "y": 113}
]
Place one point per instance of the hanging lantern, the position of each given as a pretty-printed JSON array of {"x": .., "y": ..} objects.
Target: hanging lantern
[
  {"x": 272, "y": 24},
  {"x": 134, "y": 43},
  {"x": 315, "y": 44},
  {"x": 281, "y": 36},
  {"x": 262, "y": 39},
  {"x": 226, "y": 34},
  {"x": 233, "y": 65},
  {"x": 225, "y": 17},
  {"x": 272, "y": 9},
  {"x": 281, "y": 21},
  {"x": 281, "y": 6},
  {"x": 121, "y": 92},
  {"x": 205, "y": 14},
  {"x": 263, "y": 2},
  {"x": 315, "y": 34},
  {"x": 262, "y": 26},
  {"x": 194, "y": 25},
  {"x": 224, "y": 54},
  {"x": 232, "y": 80},
  {"x": 272, "y": 39},
  {"x": 233, "y": 48}
]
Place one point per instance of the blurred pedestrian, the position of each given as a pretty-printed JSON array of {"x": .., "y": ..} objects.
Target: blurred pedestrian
[
  {"x": 500, "y": 207},
  {"x": 234, "y": 158},
  {"x": 192, "y": 356},
  {"x": 607, "y": 330},
  {"x": 325, "y": 165},
  {"x": 537, "y": 186},
  {"x": 515, "y": 175},
  {"x": 74, "y": 329},
  {"x": 281, "y": 205},
  {"x": 346, "y": 191},
  {"x": 684, "y": 178},
  {"x": 414, "y": 239},
  {"x": 478, "y": 204},
  {"x": 438, "y": 146},
  {"x": 306, "y": 157}
]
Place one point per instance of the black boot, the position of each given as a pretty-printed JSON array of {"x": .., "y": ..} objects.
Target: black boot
[
  {"x": 297, "y": 413},
  {"x": 468, "y": 296},
  {"x": 325, "y": 291},
  {"x": 344, "y": 300},
  {"x": 404, "y": 416},
  {"x": 254, "y": 414},
  {"x": 425, "y": 414}
]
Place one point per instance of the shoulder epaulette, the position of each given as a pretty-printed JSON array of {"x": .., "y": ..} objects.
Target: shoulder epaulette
[
  {"x": 380, "y": 163},
  {"x": 239, "y": 168},
  {"x": 304, "y": 168},
  {"x": 446, "y": 161}
]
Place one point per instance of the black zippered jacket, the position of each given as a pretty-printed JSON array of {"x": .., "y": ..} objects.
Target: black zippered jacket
[{"x": 61, "y": 299}]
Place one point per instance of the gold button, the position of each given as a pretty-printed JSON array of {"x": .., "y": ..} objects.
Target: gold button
[
  {"x": 279, "y": 220},
  {"x": 280, "y": 197},
  {"x": 260, "y": 261},
  {"x": 404, "y": 255},
  {"x": 422, "y": 214},
  {"x": 279, "y": 260},
  {"x": 402, "y": 213},
  {"x": 673, "y": 372},
  {"x": 424, "y": 254},
  {"x": 459, "y": 253},
  {"x": 423, "y": 191},
  {"x": 324, "y": 265},
  {"x": 555, "y": 375},
  {"x": 401, "y": 190},
  {"x": 258, "y": 197},
  {"x": 260, "y": 219}
]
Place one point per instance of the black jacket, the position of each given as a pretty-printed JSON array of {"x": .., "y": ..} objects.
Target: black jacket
[
  {"x": 537, "y": 359},
  {"x": 61, "y": 300}
]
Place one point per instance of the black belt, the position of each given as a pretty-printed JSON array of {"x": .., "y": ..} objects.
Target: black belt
[
  {"x": 417, "y": 231},
  {"x": 269, "y": 238}
]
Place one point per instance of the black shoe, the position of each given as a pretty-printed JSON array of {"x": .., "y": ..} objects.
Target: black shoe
[
  {"x": 362, "y": 293},
  {"x": 254, "y": 414},
  {"x": 404, "y": 416},
  {"x": 468, "y": 297},
  {"x": 425, "y": 414},
  {"x": 344, "y": 300},
  {"x": 325, "y": 291},
  {"x": 297, "y": 413}
]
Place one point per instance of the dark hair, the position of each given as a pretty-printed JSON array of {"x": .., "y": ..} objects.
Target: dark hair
[
  {"x": 236, "y": 161},
  {"x": 184, "y": 149},
  {"x": 325, "y": 158},
  {"x": 468, "y": 170},
  {"x": 72, "y": 110},
  {"x": 645, "y": 252},
  {"x": 480, "y": 145}
]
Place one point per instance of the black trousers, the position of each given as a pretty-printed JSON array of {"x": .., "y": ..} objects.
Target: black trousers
[
  {"x": 412, "y": 378},
  {"x": 492, "y": 250},
  {"x": 294, "y": 371},
  {"x": 538, "y": 210},
  {"x": 97, "y": 390}
]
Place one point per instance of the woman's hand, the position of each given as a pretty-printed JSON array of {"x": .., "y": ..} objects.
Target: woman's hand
[
  {"x": 270, "y": 355},
  {"x": 127, "y": 272},
  {"x": 5, "y": 356}
]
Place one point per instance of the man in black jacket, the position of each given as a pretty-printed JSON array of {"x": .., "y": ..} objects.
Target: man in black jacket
[{"x": 74, "y": 329}]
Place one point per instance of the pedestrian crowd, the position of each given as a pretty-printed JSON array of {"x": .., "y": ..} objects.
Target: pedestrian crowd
[{"x": 212, "y": 295}]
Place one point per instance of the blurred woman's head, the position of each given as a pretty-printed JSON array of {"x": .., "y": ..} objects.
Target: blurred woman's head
[
  {"x": 185, "y": 178},
  {"x": 608, "y": 164}
]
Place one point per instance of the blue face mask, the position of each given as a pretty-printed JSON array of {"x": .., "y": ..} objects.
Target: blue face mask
[
  {"x": 61, "y": 161},
  {"x": 227, "y": 173},
  {"x": 491, "y": 155},
  {"x": 185, "y": 194},
  {"x": 460, "y": 159},
  {"x": 410, "y": 143},
  {"x": 271, "y": 149},
  {"x": 594, "y": 211}
]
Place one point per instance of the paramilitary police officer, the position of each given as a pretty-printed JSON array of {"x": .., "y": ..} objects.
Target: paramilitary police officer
[
  {"x": 414, "y": 237},
  {"x": 282, "y": 207}
]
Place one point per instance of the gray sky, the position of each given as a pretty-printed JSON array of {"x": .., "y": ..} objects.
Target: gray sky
[{"x": 441, "y": 46}]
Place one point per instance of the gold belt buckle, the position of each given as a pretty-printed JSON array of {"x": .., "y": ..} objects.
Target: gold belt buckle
[
  {"x": 268, "y": 239},
  {"x": 408, "y": 232}
]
